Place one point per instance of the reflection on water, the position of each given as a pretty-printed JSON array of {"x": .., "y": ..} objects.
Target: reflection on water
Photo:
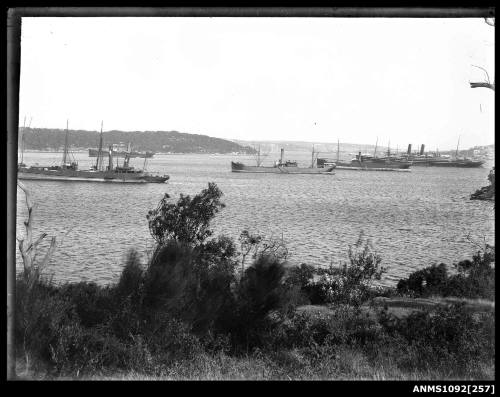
[{"x": 413, "y": 219}]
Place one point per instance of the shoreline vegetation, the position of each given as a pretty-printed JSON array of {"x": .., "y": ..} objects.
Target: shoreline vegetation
[
  {"x": 52, "y": 139},
  {"x": 209, "y": 307},
  {"x": 486, "y": 192}
]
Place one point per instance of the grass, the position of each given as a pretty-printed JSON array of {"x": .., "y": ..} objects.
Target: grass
[{"x": 347, "y": 364}]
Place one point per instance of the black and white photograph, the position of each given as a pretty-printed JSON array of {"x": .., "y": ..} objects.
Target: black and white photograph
[{"x": 251, "y": 194}]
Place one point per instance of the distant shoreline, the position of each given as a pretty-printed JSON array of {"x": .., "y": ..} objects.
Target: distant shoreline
[{"x": 157, "y": 153}]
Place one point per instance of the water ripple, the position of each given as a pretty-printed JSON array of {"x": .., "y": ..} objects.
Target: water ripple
[{"x": 413, "y": 219}]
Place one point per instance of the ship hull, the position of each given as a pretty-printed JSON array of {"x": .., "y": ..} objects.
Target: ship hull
[
  {"x": 364, "y": 168},
  {"x": 374, "y": 166},
  {"x": 460, "y": 164},
  {"x": 121, "y": 154},
  {"x": 238, "y": 167},
  {"x": 89, "y": 176}
]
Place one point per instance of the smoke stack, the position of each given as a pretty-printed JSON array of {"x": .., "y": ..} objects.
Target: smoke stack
[
  {"x": 281, "y": 156},
  {"x": 409, "y": 148},
  {"x": 422, "y": 149}
]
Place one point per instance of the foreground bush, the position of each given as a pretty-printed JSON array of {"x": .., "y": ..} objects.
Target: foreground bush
[
  {"x": 187, "y": 307},
  {"x": 445, "y": 335},
  {"x": 351, "y": 283},
  {"x": 474, "y": 279}
]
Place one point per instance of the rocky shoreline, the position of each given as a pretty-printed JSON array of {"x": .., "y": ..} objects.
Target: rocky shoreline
[{"x": 486, "y": 192}]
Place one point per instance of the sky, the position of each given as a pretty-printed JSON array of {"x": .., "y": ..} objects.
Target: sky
[{"x": 397, "y": 80}]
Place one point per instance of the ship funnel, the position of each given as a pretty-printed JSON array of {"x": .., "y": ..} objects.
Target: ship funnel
[
  {"x": 281, "y": 156},
  {"x": 409, "y": 148},
  {"x": 422, "y": 149}
]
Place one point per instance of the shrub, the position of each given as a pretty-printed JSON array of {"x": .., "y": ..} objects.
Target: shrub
[
  {"x": 301, "y": 276},
  {"x": 353, "y": 282},
  {"x": 131, "y": 278},
  {"x": 475, "y": 279},
  {"x": 170, "y": 339},
  {"x": 448, "y": 334},
  {"x": 187, "y": 220},
  {"x": 430, "y": 280},
  {"x": 93, "y": 303},
  {"x": 168, "y": 278},
  {"x": 39, "y": 313},
  {"x": 257, "y": 245},
  {"x": 343, "y": 325},
  {"x": 192, "y": 285},
  {"x": 76, "y": 348},
  {"x": 261, "y": 291}
]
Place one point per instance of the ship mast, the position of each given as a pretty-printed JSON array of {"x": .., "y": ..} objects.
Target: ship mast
[
  {"x": 65, "y": 154},
  {"x": 98, "y": 166},
  {"x": 456, "y": 153},
  {"x": 375, "y": 151}
]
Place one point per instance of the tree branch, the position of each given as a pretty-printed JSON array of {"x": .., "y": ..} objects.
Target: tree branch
[{"x": 483, "y": 85}]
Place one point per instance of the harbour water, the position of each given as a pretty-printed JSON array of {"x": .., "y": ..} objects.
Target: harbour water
[{"x": 413, "y": 219}]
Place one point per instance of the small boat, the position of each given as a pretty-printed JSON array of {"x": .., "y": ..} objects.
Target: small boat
[
  {"x": 283, "y": 167},
  {"x": 68, "y": 170}
]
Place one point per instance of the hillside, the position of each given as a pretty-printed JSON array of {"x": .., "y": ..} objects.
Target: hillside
[{"x": 155, "y": 141}]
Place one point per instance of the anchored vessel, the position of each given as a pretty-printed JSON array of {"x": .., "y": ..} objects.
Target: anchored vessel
[
  {"x": 363, "y": 162},
  {"x": 68, "y": 170},
  {"x": 425, "y": 160},
  {"x": 283, "y": 167},
  {"x": 369, "y": 163}
]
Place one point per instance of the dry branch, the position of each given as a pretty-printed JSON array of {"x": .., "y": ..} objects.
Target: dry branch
[
  {"x": 483, "y": 85},
  {"x": 28, "y": 249}
]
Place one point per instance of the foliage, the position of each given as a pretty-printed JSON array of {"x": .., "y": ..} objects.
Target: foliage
[
  {"x": 352, "y": 283},
  {"x": 187, "y": 220},
  {"x": 474, "y": 279},
  {"x": 187, "y": 306},
  {"x": 256, "y": 245},
  {"x": 445, "y": 334},
  {"x": 260, "y": 292}
]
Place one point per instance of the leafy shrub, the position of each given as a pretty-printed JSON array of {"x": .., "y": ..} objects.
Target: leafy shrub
[
  {"x": 448, "y": 334},
  {"x": 301, "y": 276},
  {"x": 171, "y": 339},
  {"x": 76, "y": 348},
  {"x": 187, "y": 220},
  {"x": 256, "y": 245},
  {"x": 39, "y": 313},
  {"x": 353, "y": 282},
  {"x": 430, "y": 280},
  {"x": 260, "y": 292},
  {"x": 343, "y": 325},
  {"x": 93, "y": 303},
  {"x": 475, "y": 279},
  {"x": 169, "y": 277},
  {"x": 131, "y": 279}
]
